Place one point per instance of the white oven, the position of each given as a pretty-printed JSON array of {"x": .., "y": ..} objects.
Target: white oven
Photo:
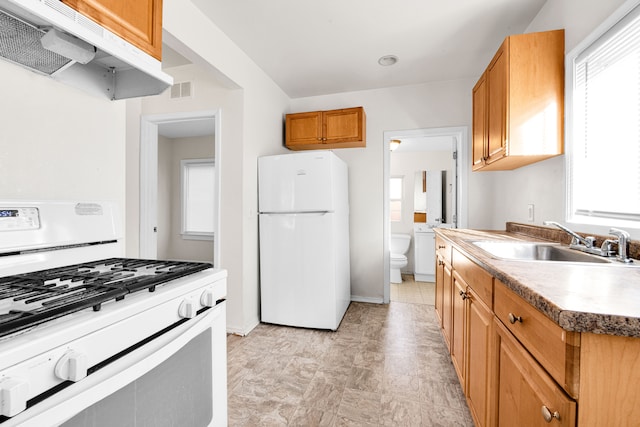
[{"x": 91, "y": 339}]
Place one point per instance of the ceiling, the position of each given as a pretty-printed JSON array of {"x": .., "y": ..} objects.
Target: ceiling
[{"x": 321, "y": 47}]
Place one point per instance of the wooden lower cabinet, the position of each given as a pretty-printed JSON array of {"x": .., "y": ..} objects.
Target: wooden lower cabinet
[
  {"x": 439, "y": 285},
  {"x": 458, "y": 330},
  {"x": 479, "y": 340},
  {"x": 447, "y": 304},
  {"x": 525, "y": 395}
]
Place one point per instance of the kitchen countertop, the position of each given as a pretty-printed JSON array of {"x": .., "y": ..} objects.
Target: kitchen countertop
[{"x": 580, "y": 297}]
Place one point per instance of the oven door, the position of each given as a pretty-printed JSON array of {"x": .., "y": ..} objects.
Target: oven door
[{"x": 178, "y": 378}]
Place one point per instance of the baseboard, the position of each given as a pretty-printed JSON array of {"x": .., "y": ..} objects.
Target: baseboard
[
  {"x": 371, "y": 300},
  {"x": 243, "y": 332}
]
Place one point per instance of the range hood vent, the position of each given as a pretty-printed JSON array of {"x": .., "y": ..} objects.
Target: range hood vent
[{"x": 50, "y": 38}]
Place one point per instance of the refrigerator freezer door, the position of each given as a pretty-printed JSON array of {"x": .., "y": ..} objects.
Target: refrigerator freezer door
[
  {"x": 297, "y": 270},
  {"x": 300, "y": 182}
]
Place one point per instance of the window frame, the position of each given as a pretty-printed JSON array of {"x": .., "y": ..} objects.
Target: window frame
[
  {"x": 184, "y": 232},
  {"x": 401, "y": 199},
  {"x": 586, "y": 223}
]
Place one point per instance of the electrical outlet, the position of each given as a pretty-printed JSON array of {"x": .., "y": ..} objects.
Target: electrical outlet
[{"x": 530, "y": 212}]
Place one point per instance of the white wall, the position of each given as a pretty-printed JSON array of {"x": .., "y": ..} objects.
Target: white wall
[
  {"x": 543, "y": 183},
  {"x": 407, "y": 164},
  {"x": 252, "y": 108},
  {"x": 171, "y": 245},
  {"x": 58, "y": 143},
  {"x": 409, "y": 107}
]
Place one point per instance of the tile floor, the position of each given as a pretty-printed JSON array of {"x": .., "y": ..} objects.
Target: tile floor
[
  {"x": 413, "y": 292},
  {"x": 387, "y": 365}
]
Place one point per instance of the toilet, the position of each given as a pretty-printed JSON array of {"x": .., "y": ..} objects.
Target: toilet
[{"x": 399, "y": 247}]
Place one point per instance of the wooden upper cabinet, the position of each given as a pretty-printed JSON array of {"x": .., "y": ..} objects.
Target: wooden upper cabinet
[
  {"x": 518, "y": 103},
  {"x": 480, "y": 116},
  {"x": 343, "y": 128},
  {"x": 139, "y": 22}
]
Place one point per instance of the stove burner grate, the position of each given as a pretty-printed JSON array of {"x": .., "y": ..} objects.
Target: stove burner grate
[{"x": 30, "y": 299}]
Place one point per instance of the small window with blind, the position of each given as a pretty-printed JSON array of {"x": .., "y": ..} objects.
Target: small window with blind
[
  {"x": 395, "y": 196},
  {"x": 198, "y": 203},
  {"x": 603, "y": 126}
]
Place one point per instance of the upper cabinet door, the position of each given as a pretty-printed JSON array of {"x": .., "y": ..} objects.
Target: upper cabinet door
[
  {"x": 479, "y": 123},
  {"x": 304, "y": 128},
  {"x": 497, "y": 75},
  {"x": 344, "y": 125},
  {"x": 139, "y": 22}
]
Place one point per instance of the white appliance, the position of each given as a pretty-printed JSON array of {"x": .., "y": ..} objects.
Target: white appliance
[
  {"x": 424, "y": 253},
  {"x": 84, "y": 332},
  {"x": 50, "y": 38},
  {"x": 304, "y": 239}
]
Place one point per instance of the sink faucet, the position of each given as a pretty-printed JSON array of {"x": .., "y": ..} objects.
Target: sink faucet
[
  {"x": 623, "y": 239},
  {"x": 578, "y": 242}
]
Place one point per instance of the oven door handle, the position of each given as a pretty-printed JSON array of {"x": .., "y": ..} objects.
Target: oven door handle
[{"x": 66, "y": 403}]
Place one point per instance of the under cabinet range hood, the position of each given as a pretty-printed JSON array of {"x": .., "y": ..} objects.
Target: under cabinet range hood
[{"x": 50, "y": 38}]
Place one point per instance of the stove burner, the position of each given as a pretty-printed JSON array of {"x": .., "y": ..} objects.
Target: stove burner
[{"x": 33, "y": 298}]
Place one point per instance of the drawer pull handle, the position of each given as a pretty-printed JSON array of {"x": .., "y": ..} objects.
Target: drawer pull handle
[
  {"x": 513, "y": 318},
  {"x": 441, "y": 246},
  {"x": 548, "y": 416}
]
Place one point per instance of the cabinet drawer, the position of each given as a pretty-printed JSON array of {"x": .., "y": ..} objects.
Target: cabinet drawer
[
  {"x": 477, "y": 278},
  {"x": 443, "y": 248},
  {"x": 554, "y": 348}
]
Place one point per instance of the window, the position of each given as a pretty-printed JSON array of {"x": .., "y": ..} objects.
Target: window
[
  {"x": 198, "y": 202},
  {"x": 395, "y": 196},
  {"x": 603, "y": 127}
]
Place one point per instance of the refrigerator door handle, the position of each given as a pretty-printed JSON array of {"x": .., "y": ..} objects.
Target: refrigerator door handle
[{"x": 317, "y": 213}]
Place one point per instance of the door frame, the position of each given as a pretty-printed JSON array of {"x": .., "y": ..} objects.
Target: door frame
[
  {"x": 461, "y": 135},
  {"x": 149, "y": 176}
]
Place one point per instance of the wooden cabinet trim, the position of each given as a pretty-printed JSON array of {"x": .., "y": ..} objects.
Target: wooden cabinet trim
[{"x": 139, "y": 23}]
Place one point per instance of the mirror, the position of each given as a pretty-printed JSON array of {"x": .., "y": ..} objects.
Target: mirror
[{"x": 430, "y": 197}]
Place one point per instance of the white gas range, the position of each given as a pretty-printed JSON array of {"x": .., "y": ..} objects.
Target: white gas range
[{"x": 82, "y": 329}]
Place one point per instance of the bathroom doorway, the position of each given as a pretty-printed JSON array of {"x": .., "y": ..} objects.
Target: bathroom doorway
[{"x": 421, "y": 153}]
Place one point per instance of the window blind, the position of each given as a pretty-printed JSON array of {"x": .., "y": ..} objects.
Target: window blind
[{"x": 605, "y": 162}]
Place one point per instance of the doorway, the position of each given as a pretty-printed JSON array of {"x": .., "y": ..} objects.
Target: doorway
[
  {"x": 183, "y": 126},
  {"x": 450, "y": 142}
]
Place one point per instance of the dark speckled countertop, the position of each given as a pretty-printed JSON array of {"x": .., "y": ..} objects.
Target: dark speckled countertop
[{"x": 581, "y": 297}]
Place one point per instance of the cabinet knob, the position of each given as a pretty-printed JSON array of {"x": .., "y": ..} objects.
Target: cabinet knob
[
  {"x": 548, "y": 415},
  {"x": 463, "y": 295},
  {"x": 319, "y": 139},
  {"x": 513, "y": 318}
]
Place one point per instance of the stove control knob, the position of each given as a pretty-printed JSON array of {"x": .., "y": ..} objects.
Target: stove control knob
[
  {"x": 72, "y": 366},
  {"x": 13, "y": 396},
  {"x": 208, "y": 298},
  {"x": 188, "y": 308}
]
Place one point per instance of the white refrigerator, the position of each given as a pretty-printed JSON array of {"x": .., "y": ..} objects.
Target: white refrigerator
[{"x": 304, "y": 239}]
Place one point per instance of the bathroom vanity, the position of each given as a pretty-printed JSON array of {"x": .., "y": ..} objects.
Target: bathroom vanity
[{"x": 424, "y": 252}]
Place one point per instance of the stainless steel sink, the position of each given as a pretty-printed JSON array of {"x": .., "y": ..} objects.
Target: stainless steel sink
[{"x": 533, "y": 251}]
